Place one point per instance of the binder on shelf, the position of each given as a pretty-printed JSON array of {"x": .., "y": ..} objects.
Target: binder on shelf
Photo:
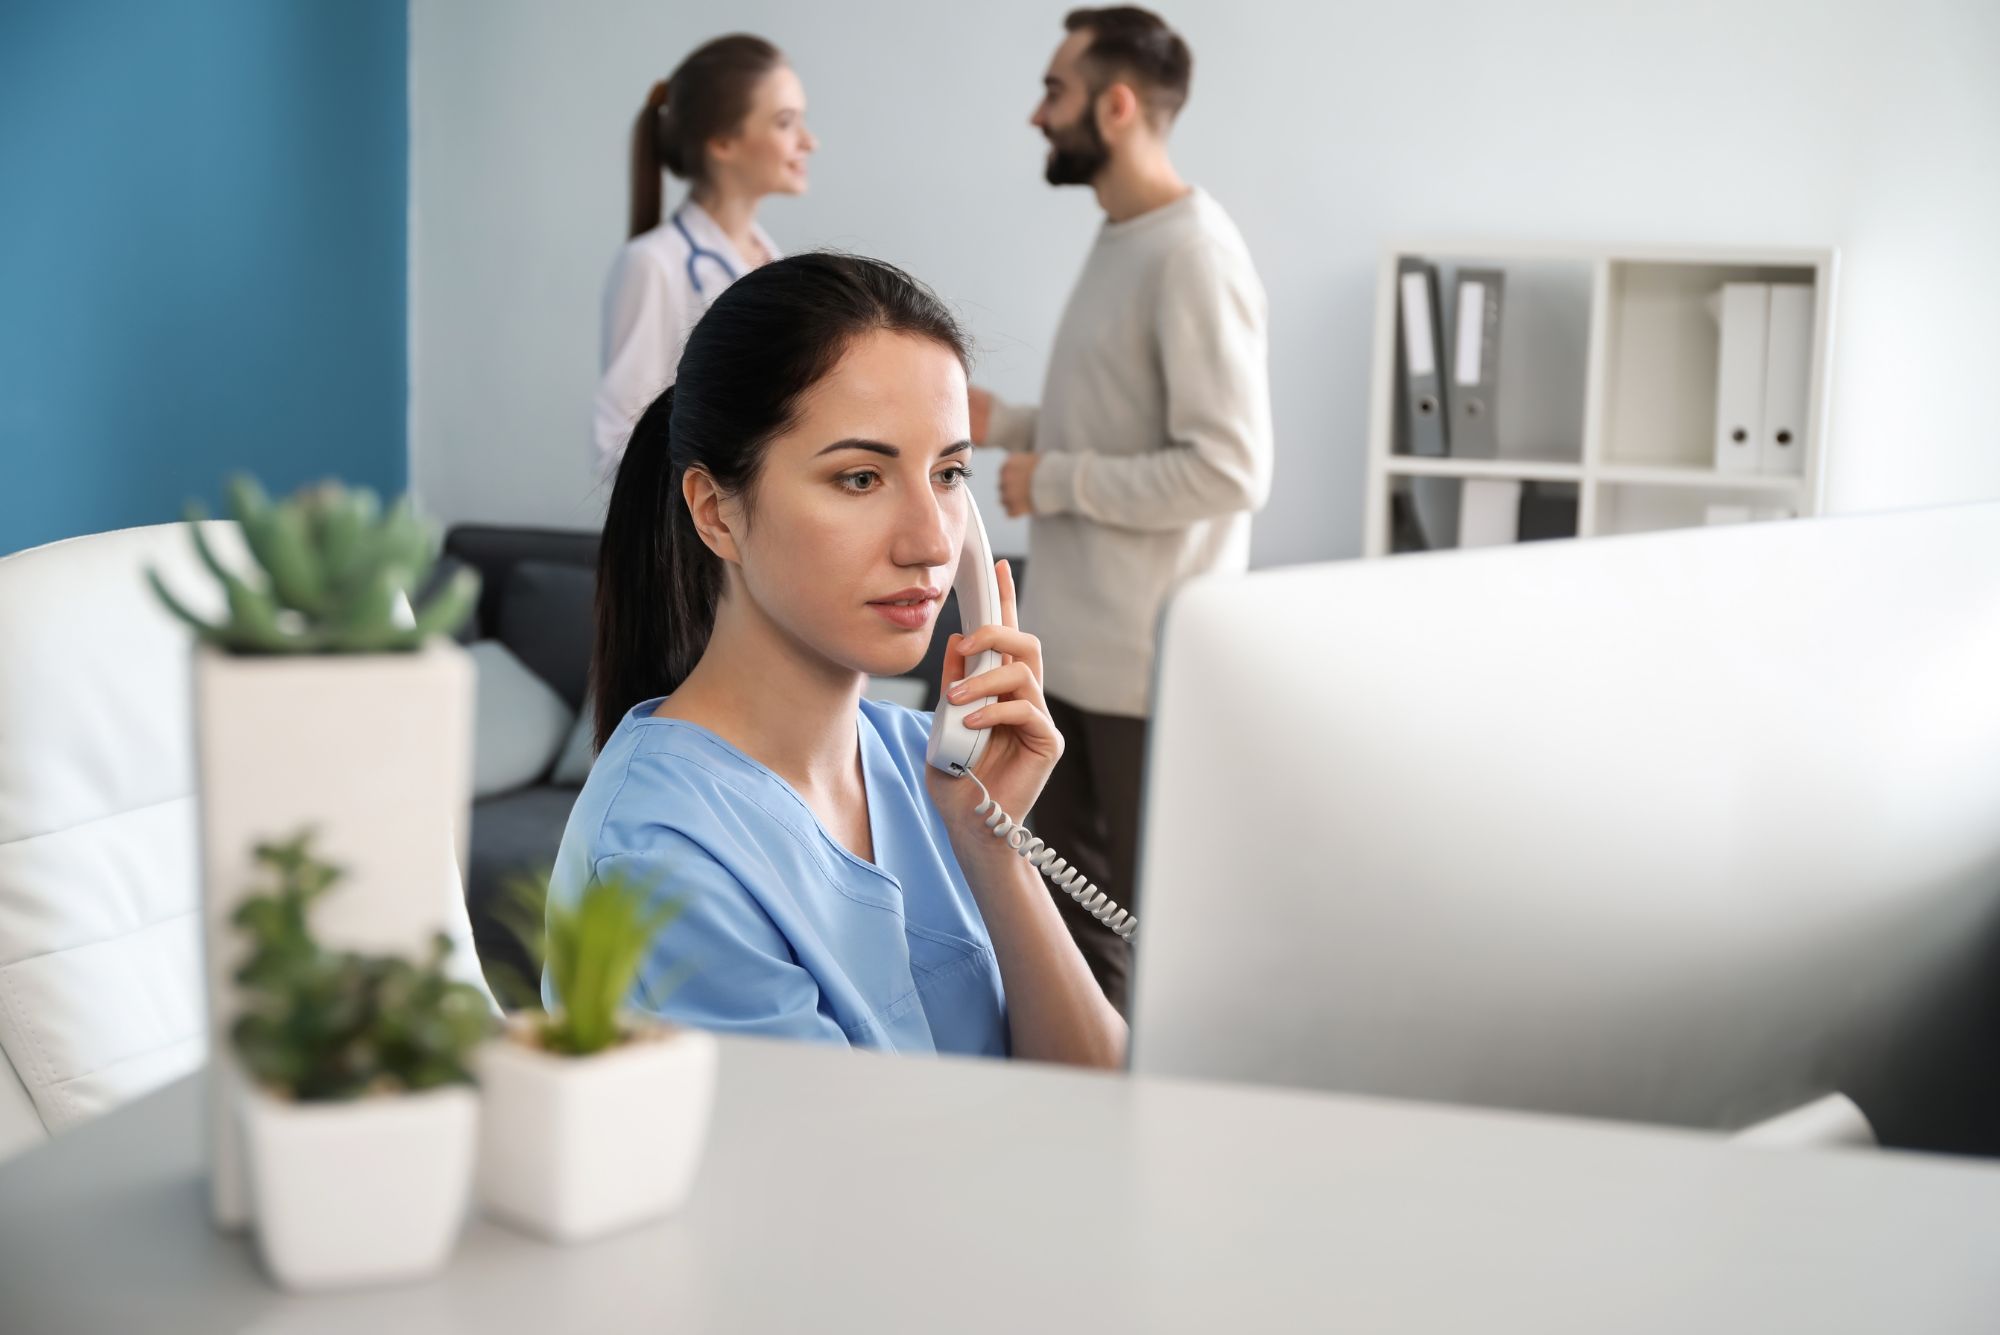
[
  {"x": 1423, "y": 514},
  {"x": 1435, "y": 503},
  {"x": 1744, "y": 311},
  {"x": 1489, "y": 512},
  {"x": 1422, "y": 357},
  {"x": 1475, "y": 364},
  {"x": 1787, "y": 369},
  {"x": 1548, "y": 510}
]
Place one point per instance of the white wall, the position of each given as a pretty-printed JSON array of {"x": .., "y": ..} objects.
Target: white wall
[{"x": 1326, "y": 131}]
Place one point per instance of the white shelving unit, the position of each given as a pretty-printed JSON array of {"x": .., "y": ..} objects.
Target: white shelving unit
[{"x": 1607, "y": 382}]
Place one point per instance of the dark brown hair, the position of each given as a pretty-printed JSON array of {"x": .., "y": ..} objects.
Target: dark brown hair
[
  {"x": 769, "y": 338},
  {"x": 1135, "y": 46},
  {"x": 706, "y": 97}
]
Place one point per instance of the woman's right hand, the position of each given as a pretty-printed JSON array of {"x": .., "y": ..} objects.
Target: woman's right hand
[{"x": 1024, "y": 745}]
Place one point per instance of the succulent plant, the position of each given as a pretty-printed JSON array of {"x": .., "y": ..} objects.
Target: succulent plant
[
  {"x": 592, "y": 949},
  {"x": 322, "y": 1024},
  {"x": 333, "y": 565}
]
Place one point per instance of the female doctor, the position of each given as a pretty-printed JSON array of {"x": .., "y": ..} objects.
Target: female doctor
[
  {"x": 784, "y": 523},
  {"x": 731, "y": 120}
]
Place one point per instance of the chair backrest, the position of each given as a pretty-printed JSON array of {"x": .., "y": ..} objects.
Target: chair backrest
[{"x": 100, "y": 979}]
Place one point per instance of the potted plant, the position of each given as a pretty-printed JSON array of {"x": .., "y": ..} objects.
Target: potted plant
[
  {"x": 321, "y": 701},
  {"x": 594, "y": 1118},
  {"x": 359, "y": 1108}
]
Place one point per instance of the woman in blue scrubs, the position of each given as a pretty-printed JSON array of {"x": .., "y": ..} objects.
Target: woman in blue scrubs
[{"x": 784, "y": 523}]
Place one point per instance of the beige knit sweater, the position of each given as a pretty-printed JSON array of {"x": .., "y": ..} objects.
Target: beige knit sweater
[{"x": 1155, "y": 435}]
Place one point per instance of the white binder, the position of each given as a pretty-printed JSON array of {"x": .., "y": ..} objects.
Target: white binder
[
  {"x": 1744, "y": 312},
  {"x": 1489, "y": 513},
  {"x": 1787, "y": 370}
]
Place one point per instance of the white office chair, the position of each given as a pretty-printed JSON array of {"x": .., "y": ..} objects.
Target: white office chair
[
  {"x": 100, "y": 978},
  {"x": 100, "y": 963}
]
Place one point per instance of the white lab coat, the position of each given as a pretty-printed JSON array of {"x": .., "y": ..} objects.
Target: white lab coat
[{"x": 650, "y": 303}]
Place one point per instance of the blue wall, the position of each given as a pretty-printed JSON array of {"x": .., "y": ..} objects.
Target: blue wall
[{"x": 202, "y": 238}]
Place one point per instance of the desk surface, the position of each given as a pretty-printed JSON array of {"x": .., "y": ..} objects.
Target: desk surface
[{"x": 847, "y": 1191}]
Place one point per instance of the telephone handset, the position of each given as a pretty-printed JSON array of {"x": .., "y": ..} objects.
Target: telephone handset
[{"x": 955, "y": 748}]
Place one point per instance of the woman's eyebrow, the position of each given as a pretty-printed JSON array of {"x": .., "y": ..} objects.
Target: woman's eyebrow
[{"x": 887, "y": 451}]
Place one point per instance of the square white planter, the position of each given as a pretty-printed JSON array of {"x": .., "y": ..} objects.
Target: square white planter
[
  {"x": 360, "y": 1192},
  {"x": 576, "y": 1147},
  {"x": 372, "y": 751}
]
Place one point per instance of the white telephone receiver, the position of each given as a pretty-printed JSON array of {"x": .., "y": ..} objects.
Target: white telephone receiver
[{"x": 955, "y": 748}]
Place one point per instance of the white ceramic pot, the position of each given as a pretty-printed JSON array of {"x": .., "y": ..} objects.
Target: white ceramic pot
[
  {"x": 360, "y": 1192},
  {"x": 372, "y": 751},
  {"x": 576, "y": 1147}
]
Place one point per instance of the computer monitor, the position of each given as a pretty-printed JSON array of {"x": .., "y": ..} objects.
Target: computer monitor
[{"x": 1686, "y": 828}]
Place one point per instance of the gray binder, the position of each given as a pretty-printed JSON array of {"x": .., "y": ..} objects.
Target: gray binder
[
  {"x": 1474, "y": 392},
  {"x": 1420, "y": 358}
]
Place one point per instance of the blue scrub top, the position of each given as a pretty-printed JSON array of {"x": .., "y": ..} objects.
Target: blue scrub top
[{"x": 784, "y": 931}]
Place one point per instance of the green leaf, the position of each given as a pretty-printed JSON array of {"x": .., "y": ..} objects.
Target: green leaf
[
  {"x": 247, "y": 500},
  {"x": 223, "y": 575},
  {"x": 367, "y": 621},
  {"x": 408, "y": 544},
  {"x": 253, "y": 620},
  {"x": 449, "y": 606},
  {"x": 346, "y": 520},
  {"x": 294, "y": 566},
  {"x": 208, "y": 633}
]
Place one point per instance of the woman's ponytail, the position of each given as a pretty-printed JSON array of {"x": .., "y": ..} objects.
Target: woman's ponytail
[
  {"x": 652, "y": 133},
  {"x": 651, "y": 588}
]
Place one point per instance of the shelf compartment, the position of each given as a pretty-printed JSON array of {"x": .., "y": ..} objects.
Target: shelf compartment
[
  {"x": 1544, "y": 336},
  {"x": 1424, "y": 510},
  {"x": 1657, "y": 402},
  {"x": 1624, "y": 507}
]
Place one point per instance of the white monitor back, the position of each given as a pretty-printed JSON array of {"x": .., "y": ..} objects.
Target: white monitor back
[{"x": 1686, "y": 828}]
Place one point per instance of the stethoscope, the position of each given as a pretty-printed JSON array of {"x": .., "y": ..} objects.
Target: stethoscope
[{"x": 696, "y": 251}]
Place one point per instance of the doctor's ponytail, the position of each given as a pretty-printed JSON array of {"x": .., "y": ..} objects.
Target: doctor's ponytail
[
  {"x": 749, "y": 362},
  {"x": 649, "y": 132},
  {"x": 707, "y": 97}
]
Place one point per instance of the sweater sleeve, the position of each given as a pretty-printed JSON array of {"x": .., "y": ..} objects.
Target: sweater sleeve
[
  {"x": 1012, "y": 427},
  {"x": 1212, "y": 335}
]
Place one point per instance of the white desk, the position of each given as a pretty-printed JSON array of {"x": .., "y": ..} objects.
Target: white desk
[{"x": 845, "y": 1191}]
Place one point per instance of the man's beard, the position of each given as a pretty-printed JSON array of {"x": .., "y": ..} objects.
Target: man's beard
[{"x": 1076, "y": 154}]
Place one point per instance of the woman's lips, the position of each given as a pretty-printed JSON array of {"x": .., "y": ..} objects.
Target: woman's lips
[{"x": 908, "y": 613}]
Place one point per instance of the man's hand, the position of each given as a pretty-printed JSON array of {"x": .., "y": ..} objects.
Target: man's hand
[
  {"x": 1017, "y": 484},
  {"x": 979, "y": 405}
]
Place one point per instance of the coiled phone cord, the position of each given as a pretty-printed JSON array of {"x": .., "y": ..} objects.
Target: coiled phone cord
[{"x": 1046, "y": 861}]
